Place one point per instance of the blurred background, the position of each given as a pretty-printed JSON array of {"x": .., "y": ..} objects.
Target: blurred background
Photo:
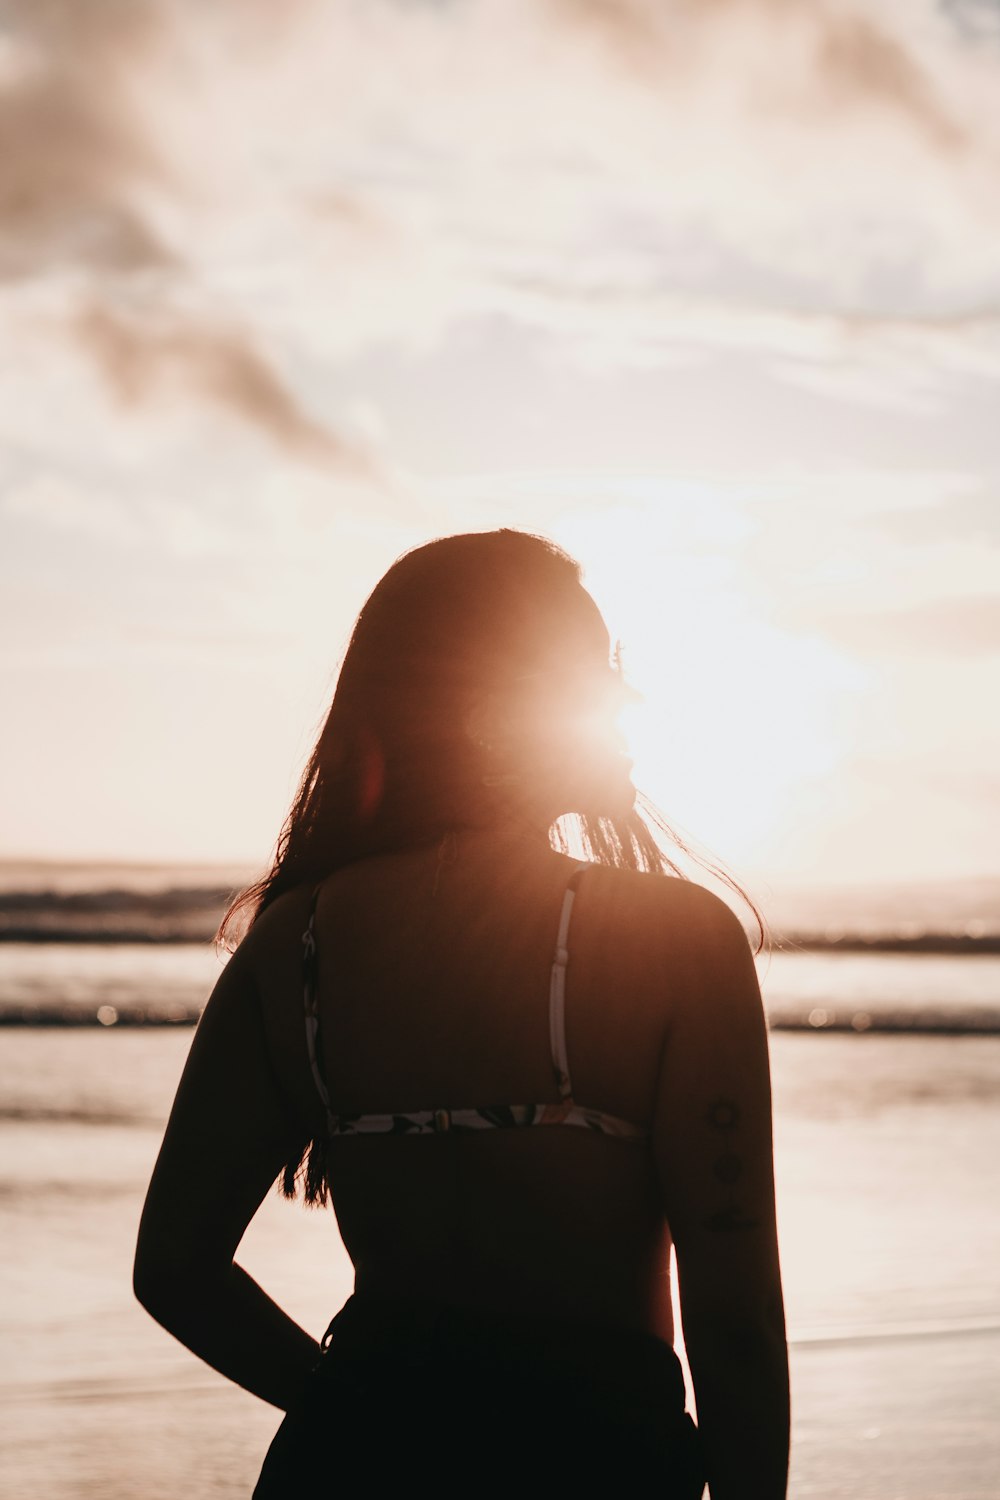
[{"x": 709, "y": 293}]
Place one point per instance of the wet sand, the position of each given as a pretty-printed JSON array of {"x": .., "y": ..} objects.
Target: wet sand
[{"x": 886, "y": 1153}]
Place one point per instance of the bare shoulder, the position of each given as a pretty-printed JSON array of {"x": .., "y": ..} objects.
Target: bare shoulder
[
  {"x": 706, "y": 915},
  {"x": 287, "y": 913},
  {"x": 712, "y": 932},
  {"x": 272, "y": 948},
  {"x": 657, "y": 896},
  {"x": 669, "y": 921}
]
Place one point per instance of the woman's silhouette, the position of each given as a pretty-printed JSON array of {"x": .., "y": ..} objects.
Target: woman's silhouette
[{"x": 518, "y": 1077}]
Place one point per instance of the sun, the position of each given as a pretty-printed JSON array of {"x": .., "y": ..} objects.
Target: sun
[
  {"x": 728, "y": 732},
  {"x": 739, "y": 721}
]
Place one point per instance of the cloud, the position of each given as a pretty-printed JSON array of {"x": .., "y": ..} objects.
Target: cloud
[
  {"x": 220, "y": 365},
  {"x": 976, "y": 19},
  {"x": 859, "y": 62},
  {"x": 633, "y": 30},
  {"x": 965, "y": 510},
  {"x": 74, "y": 148},
  {"x": 851, "y": 61},
  {"x": 669, "y": 181},
  {"x": 851, "y": 352},
  {"x": 877, "y": 561},
  {"x": 964, "y": 626},
  {"x": 54, "y": 506}
]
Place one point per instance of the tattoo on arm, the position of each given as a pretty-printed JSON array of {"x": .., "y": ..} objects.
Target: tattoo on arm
[{"x": 723, "y": 1117}]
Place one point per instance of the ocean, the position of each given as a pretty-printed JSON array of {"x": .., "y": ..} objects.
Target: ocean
[{"x": 885, "y": 1017}]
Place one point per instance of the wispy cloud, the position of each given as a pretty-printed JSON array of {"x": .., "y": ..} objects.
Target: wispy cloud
[
  {"x": 619, "y": 320},
  {"x": 814, "y": 182},
  {"x": 858, "y": 61},
  {"x": 80, "y": 163},
  {"x": 75, "y": 150},
  {"x": 964, "y": 627},
  {"x": 849, "y": 59},
  {"x": 141, "y": 360}
]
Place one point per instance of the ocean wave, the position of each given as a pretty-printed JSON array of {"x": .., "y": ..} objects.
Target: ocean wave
[
  {"x": 928, "y": 1021},
  {"x": 79, "y": 1113},
  {"x": 969, "y": 941},
  {"x": 101, "y": 1016},
  {"x": 925, "y": 1021},
  {"x": 52, "y": 908},
  {"x": 177, "y": 914}
]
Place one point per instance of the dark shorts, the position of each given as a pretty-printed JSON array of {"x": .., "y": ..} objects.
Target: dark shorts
[{"x": 419, "y": 1393}]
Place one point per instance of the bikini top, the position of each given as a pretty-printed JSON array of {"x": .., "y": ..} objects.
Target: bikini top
[{"x": 564, "y": 1111}]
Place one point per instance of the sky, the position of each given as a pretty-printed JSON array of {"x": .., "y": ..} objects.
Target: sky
[{"x": 708, "y": 292}]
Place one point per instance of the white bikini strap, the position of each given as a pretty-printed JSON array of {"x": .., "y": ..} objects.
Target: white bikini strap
[{"x": 557, "y": 991}]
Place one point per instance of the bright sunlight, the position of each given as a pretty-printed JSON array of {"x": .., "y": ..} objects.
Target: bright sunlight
[{"x": 739, "y": 721}]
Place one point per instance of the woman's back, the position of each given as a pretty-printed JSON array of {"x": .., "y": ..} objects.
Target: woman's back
[{"x": 433, "y": 992}]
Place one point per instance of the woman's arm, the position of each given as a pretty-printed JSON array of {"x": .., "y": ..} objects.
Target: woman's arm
[
  {"x": 713, "y": 1143},
  {"x": 227, "y": 1138}
]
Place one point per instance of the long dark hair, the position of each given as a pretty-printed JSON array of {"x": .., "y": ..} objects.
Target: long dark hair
[{"x": 394, "y": 765}]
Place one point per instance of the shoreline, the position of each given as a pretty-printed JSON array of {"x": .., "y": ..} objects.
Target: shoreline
[
  {"x": 195, "y": 928},
  {"x": 817, "y": 1021}
]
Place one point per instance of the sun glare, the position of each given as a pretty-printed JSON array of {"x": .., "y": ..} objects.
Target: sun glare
[
  {"x": 738, "y": 721},
  {"x": 724, "y": 747}
]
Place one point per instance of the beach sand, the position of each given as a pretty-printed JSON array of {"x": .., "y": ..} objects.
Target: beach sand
[
  {"x": 886, "y": 1152},
  {"x": 914, "y": 1419}
]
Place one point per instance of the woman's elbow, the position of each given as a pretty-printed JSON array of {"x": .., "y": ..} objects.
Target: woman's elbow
[
  {"x": 168, "y": 1284},
  {"x": 155, "y": 1285}
]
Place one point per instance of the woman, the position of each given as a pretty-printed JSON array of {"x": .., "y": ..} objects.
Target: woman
[{"x": 424, "y": 976}]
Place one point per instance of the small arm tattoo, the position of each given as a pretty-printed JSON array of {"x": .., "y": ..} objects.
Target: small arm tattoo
[
  {"x": 723, "y": 1117},
  {"x": 723, "y": 1114}
]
